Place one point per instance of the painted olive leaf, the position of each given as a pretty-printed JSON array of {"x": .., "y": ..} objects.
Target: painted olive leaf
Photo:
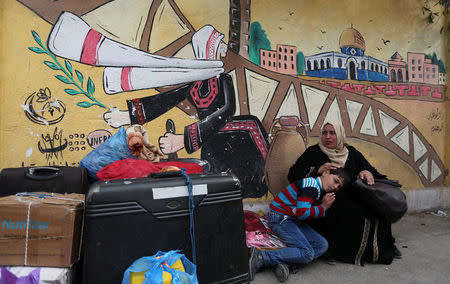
[
  {"x": 69, "y": 67},
  {"x": 72, "y": 92},
  {"x": 51, "y": 65},
  {"x": 90, "y": 86},
  {"x": 80, "y": 76},
  {"x": 36, "y": 37},
  {"x": 63, "y": 79},
  {"x": 36, "y": 49},
  {"x": 84, "y": 104}
]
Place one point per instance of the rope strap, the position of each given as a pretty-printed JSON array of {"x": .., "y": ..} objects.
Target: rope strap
[{"x": 191, "y": 212}]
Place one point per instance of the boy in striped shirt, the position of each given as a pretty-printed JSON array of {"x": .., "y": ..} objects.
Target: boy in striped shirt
[{"x": 288, "y": 210}]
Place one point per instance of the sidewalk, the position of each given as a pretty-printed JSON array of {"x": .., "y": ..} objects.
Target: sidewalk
[{"x": 424, "y": 241}]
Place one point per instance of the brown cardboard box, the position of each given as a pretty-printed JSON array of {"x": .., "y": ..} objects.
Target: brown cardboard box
[{"x": 54, "y": 229}]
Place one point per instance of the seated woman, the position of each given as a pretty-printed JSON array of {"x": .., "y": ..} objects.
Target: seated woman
[{"x": 354, "y": 233}]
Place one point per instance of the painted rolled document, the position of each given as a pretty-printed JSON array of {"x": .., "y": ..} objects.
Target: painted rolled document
[
  {"x": 74, "y": 39},
  {"x": 116, "y": 80}
]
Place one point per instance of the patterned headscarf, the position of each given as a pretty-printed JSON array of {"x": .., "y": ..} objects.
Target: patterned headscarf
[{"x": 340, "y": 153}]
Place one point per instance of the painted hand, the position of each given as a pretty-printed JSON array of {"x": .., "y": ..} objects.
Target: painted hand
[
  {"x": 171, "y": 143},
  {"x": 116, "y": 118}
]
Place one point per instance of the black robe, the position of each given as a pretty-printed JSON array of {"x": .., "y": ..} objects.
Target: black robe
[{"x": 354, "y": 233}]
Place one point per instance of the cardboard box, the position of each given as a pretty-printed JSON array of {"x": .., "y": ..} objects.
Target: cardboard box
[{"x": 41, "y": 229}]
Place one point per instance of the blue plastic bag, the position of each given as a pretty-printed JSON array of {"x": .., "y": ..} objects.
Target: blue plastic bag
[
  {"x": 156, "y": 264},
  {"x": 113, "y": 149}
]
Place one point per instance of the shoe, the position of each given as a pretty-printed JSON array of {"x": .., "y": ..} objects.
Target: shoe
[
  {"x": 281, "y": 271},
  {"x": 329, "y": 259},
  {"x": 255, "y": 262},
  {"x": 397, "y": 252}
]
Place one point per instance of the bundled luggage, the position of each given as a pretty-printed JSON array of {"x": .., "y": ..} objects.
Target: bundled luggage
[{"x": 131, "y": 218}]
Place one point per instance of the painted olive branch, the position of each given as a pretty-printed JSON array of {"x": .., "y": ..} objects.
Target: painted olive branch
[{"x": 68, "y": 79}]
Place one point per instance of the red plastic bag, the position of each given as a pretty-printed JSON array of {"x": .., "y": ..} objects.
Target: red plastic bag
[{"x": 131, "y": 168}]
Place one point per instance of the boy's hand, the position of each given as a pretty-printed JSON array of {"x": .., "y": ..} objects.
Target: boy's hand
[{"x": 328, "y": 200}]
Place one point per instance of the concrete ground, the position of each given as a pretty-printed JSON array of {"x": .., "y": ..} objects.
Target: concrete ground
[{"x": 424, "y": 240}]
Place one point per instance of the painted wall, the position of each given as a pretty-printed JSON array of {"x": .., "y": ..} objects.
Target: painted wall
[{"x": 66, "y": 78}]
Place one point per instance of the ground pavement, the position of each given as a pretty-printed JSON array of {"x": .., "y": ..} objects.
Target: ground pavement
[{"x": 424, "y": 240}]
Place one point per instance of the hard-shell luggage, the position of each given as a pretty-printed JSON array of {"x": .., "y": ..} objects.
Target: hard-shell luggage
[
  {"x": 43, "y": 179},
  {"x": 131, "y": 218}
]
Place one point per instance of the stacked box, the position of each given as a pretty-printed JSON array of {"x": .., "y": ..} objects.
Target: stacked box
[{"x": 41, "y": 229}]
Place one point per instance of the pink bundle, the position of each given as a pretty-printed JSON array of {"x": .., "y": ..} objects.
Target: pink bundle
[{"x": 258, "y": 234}]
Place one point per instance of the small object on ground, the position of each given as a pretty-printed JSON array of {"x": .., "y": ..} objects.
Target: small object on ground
[{"x": 439, "y": 213}]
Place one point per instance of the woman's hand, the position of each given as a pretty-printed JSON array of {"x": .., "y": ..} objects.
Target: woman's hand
[
  {"x": 367, "y": 176},
  {"x": 326, "y": 167},
  {"x": 328, "y": 200}
]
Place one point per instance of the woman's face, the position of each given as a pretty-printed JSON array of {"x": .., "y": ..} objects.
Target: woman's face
[{"x": 329, "y": 138}]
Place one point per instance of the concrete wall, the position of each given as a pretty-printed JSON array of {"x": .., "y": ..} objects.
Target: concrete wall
[{"x": 54, "y": 110}]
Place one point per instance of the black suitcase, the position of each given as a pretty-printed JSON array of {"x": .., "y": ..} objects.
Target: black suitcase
[
  {"x": 130, "y": 218},
  {"x": 46, "y": 179}
]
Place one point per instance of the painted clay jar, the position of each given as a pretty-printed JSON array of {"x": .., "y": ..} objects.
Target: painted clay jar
[{"x": 288, "y": 138}]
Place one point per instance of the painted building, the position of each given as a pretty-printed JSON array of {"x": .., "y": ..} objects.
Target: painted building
[
  {"x": 268, "y": 59},
  {"x": 415, "y": 66},
  {"x": 240, "y": 27},
  {"x": 421, "y": 70},
  {"x": 286, "y": 57},
  {"x": 431, "y": 72},
  {"x": 442, "y": 78},
  {"x": 397, "y": 68},
  {"x": 350, "y": 63},
  {"x": 282, "y": 60}
]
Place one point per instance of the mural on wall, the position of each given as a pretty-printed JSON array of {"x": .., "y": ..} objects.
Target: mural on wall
[
  {"x": 52, "y": 144},
  {"x": 40, "y": 108},
  {"x": 97, "y": 137},
  {"x": 68, "y": 72},
  {"x": 235, "y": 88}
]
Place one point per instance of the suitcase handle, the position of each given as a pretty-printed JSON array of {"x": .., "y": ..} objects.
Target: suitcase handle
[
  {"x": 43, "y": 173},
  {"x": 165, "y": 174}
]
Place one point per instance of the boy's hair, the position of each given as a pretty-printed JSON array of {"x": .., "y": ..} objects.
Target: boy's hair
[{"x": 342, "y": 173}]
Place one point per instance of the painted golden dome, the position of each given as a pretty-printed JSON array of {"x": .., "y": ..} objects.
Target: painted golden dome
[{"x": 352, "y": 38}]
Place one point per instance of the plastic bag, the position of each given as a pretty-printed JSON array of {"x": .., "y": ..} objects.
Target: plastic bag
[
  {"x": 258, "y": 234},
  {"x": 131, "y": 168},
  {"x": 161, "y": 268},
  {"x": 7, "y": 277},
  {"x": 113, "y": 149}
]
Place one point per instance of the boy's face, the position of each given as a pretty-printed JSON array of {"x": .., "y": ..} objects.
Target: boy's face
[{"x": 331, "y": 182}]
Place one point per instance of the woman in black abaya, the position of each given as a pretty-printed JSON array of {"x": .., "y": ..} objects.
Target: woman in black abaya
[{"x": 355, "y": 234}]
